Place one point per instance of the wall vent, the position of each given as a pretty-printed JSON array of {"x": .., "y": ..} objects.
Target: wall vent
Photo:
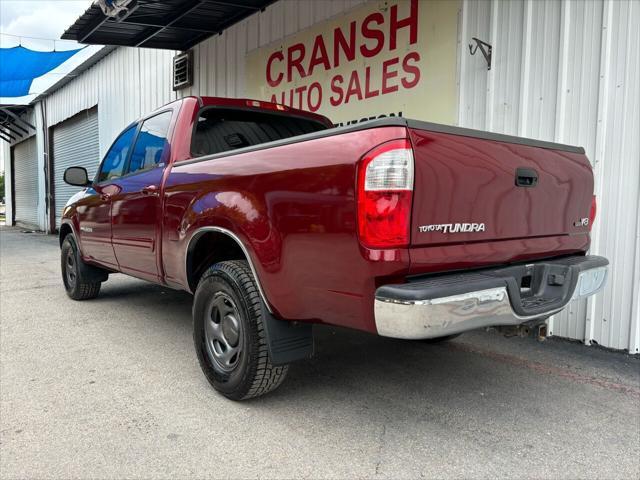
[{"x": 182, "y": 70}]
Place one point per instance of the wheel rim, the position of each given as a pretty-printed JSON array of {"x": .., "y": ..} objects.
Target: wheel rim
[
  {"x": 71, "y": 269},
  {"x": 223, "y": 332}
]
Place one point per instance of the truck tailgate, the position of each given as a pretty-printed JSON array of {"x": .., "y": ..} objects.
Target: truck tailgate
[{"x": 471, "y": 189}]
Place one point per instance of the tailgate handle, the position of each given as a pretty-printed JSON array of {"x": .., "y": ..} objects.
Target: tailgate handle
[{"x": 526, "y": 177}]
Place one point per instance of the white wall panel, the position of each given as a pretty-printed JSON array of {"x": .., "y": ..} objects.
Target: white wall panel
[
  {"x": 127, "y": 83},
  {"x": 539, "y": 69},
  {"x": 75, "y": 143},
  {"x": 569, "y": 71},
  {"x": 30, "y": 117},
  {"x": 25, "y": 178},
  {"x": 472, "y": 99},
  {"x": 503, "y": 97},
  {"x": 219, "y": 61},
  {"x": 618, "y": 168},
  {"x": 6, "y": 156}
]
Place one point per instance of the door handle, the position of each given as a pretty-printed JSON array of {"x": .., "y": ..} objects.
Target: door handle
[
  {"x": 526, "y": 177},
  {"x": 150, "y": 190}
]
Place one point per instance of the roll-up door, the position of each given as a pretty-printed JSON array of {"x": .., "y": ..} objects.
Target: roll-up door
[
  {"x": 75, "y": 144},
  {"x": 25, "y": 183}
]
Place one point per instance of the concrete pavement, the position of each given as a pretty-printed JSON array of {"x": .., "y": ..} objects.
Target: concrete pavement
[{"x": 111, "y": 388}]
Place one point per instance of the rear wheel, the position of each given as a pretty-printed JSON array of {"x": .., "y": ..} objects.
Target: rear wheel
[
  {"x": 229, "y": 335},
  {"x": 77, "y": 286}
]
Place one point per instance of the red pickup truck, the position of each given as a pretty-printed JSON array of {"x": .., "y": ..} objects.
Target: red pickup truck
[{"x": 275, "y": 220}]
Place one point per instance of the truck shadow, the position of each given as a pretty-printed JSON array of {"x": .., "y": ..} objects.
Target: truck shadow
[
  {"x": 355, "y": 364},
  {"x": 341, "y": 355},
  {"x": 366, "y": 374}
]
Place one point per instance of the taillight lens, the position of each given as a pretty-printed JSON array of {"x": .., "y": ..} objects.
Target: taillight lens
[
  {"x": 266, "y": 105},
  {"x": 592, "y": 212},
  {"x": 385, "y": 192}
]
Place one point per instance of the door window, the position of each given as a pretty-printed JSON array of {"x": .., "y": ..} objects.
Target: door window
[
  {"x": 151, "y": 143},
  {"x": 114, "y": 163}
]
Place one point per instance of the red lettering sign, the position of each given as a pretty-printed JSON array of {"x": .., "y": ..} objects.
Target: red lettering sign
[{"x": 373, "y": 39}]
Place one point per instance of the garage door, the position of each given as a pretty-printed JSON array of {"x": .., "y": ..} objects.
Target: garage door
[
  {"x": 25, "y": 183},
  {"x": 75, "y": 144}
]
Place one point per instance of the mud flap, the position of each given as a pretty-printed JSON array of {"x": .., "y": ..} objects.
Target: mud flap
[
  {"x": 92, "y": 274},
  {"x": 287, "y": 341}
]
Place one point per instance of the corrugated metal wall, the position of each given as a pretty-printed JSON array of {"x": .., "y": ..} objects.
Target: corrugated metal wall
[
  {"x": 219, "y": 61},
  {"x": 569, "y": 72},
  {"x": 564, "y": 71},
  {"x": 25, "y": 174},
  {"x": 8, "y": 174},
  {"x": 126, "y": 84},
  {"x": 37, "y": 180},
  {"x": 75, "y": 143}
]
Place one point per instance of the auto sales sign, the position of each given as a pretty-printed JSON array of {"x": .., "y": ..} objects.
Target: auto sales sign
[{"x": 385, "y": 58}]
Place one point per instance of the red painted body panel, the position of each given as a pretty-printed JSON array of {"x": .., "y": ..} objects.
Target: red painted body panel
[
  {"x": 293, "y": 207},
  {"x": 466, "y": 179},
  {"x": 136, "y": 225},
  {"x": 93, "y": 222}
]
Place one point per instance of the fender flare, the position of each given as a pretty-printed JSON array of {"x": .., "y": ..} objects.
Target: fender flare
[
  {"x": 198, "y": 232},
  {"x": 287, "y": 342},
  {"x": 69, "y": 222}
]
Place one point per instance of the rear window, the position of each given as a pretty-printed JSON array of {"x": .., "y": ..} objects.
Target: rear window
[{"x": 220, "y": 130}]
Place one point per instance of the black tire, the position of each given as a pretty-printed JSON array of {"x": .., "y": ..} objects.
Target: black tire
[
  {"x": 75, "y": 282},
  {"x": 229, "y": 335},
  {"x": 446, "y": 338}
]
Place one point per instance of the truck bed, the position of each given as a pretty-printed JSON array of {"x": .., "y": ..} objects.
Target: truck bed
[{"x": 293, "y": 203}]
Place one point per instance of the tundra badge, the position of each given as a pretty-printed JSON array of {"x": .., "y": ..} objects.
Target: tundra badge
[{"x": 453, "y": 228}]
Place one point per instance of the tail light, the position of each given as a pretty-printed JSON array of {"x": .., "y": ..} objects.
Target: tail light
[
  {"x": 385, "y": 191},
  {"x": 266, "y": 105},
  {"x": 592, "y": 212}
]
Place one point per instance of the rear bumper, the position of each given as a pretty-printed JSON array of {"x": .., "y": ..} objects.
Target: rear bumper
[{"x": 455, "y": 303}]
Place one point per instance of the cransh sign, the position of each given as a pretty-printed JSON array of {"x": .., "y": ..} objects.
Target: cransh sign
[{"x": 384, "y": 58}]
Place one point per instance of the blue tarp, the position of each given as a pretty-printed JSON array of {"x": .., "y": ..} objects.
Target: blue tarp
[{"x": 19, "y": 66}]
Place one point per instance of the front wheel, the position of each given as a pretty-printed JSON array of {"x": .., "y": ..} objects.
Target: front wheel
[
  {"x": 76, "y": 283},
  {"x": 229, "y": 335}
]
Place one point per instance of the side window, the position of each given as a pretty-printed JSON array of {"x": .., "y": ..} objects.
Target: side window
[
  {"x": 151, "y": 143},
  {"x": 114, "y": 162}
]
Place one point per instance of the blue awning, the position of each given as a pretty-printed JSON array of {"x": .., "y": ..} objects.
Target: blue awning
[{"x": 19, "y": 66}]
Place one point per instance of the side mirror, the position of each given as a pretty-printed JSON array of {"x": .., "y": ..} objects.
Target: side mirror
[{"x": 77, "y": 176}]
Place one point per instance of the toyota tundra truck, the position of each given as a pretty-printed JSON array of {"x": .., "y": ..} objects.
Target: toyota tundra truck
[{"x": 275, "y": 220}]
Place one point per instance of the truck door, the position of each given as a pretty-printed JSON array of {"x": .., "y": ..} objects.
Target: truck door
[
  {"x": 137, "y": 209},
  {"x": 94, "y": 209}
]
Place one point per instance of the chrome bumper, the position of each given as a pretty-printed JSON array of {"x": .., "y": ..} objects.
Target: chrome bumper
[{"x": 438, "y": 316}]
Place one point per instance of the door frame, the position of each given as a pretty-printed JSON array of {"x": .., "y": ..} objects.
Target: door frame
[
  {"x": 49, "y": 179},
  {"x": 12, "y": 160}
]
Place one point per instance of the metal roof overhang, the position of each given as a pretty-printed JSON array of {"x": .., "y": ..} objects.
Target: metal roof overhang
[
  {"x": 13, "y": 126},
  {"x": 164, "y": 24}
]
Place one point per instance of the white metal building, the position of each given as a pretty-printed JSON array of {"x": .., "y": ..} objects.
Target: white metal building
[{"x": 565, "y": 71}]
